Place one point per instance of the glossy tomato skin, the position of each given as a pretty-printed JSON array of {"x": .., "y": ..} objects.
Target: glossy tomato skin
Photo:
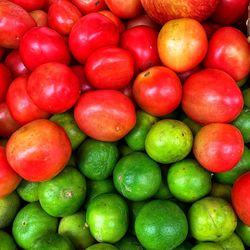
[
  {"x": 30, "y": 5},
  {"x": 109, "y": 68},
  {"x": 40, "y": 17},
  {"x": 210, "y": 96},
  {"x": 141, "y": 41},
  {"x": 53, "y": 87},
  {"x": 39, "y": 150},
  {"x": 15, "y": 22},
  {"x": 182, "y": 44},
  {"x": 241, "y": 199},
  {"x": 218, "y": 147},
  {"x": 105, "y": 115},
  {"x": 20, "y": 105},
  {"x": 9, "y": 179},
  {"x": 91, "y": 32},
  {"x": 157, "y": 90},
  {"x": 5, "y": 80},
  {"x": 229, "y": 50},
  {"x": 90, "y": 6},
  {"x": 45, "y": 45}
]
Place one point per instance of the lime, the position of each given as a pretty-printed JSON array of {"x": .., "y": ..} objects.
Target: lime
[
  {"x": 72, "y": 161},
  {"x": 124, "y": 149},
  {"x": 136, "y": 176},
  {"x": 129, "y": 242},
  {"x": 107, "y": 217},
  {"x": 102, "y": 246},
  {"x": 67, "y": 121},
  {"x": 7, "y": 242},
  {"x": 75, "y": 229},
  {"x": 169, "y": 141},
  {"x": 221, "y": 190},
  {"x": 211, "y": 219},
  {"x": 96, "y": 159},
  {"x": 243, "y": 231},
  {"x": 136, "y": 137},
  {"x": 194, "y": 126},
  {"x": 184, "y": 246},
  {"x": 188, "y": 181},
  {"x": 246, "y": 96},
  {"x": 232, "y": 243},
  {"x": 64, "y": 194},
  {"x": 163, "y": 192},
  {"x": 28, "y": 190},
  {"x": 161, "y": 224},
  {"x": 9, "y": 206},
  {"x": 31, "y": 223},
  {"x": 207, "y": 246}
]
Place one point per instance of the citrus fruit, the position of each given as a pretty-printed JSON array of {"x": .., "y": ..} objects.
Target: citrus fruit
[
  {"x": 232, "y": 243},
  {"x": 64, "y": 194},
  {"x": 221, "y": 190},
  {"x": 246, "y": 96},
  {"x": 243, "y": 231},
  {"x": 107, "y": 217},
  {"x": 211, "y": 219},
  {"x": 184, "y": 246},
  {"x": 194, "y": 126},
  {"x": 75, "y": 229},
  {"x": 188, "y": 181},
  {"x": 96, "y": 159},
  {"x": 163, "y": 192},
  {"x": 124, "y": 149},
  {"x": 129, "y": 242},
  {"x": 28, "y": 190},
  {"x": 7, "y": 242},
  {"x": 136, "y": 176},
  {"x": 31, "y": 223},
  {"x": 9, "y": 206},
  {"x": 161, "y": 224},
  {"x": 207, "y": 246},
  {"x": 102, "y": 246},
  {"x": 168, "y": 141}
]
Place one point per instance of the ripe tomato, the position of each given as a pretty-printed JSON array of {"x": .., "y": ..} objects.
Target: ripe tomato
[
  {"x": 5, "y": 80},
  {"x": 241, "y": 199},
  {"x": 211, "y": 95},
  {"x": 157, "y": 90},
  {"x": 40, "y": 17},
  {"x": 39, "y": 150},
  {"x": 90, "y": 5},
  {"x": 53, "y": 87},
  {"x": 9, "y": 179},
  {"x": 105, "y": 115},
  {"x": 30, "y": 5},
  {"x": 109, "y": 68},
  {"x": 218, "y": 147}
]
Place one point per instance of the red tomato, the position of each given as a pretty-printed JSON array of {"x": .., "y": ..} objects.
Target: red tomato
[
  {"x": 53, "y": 87},
  {"x": 41, "y": 45},
  {"x": 157, "y": 90},
  {"x": 91, "y": 32},
  {"x": 9, "y": 179},
  {"x": 30, "y": 5},
  {"x": 20, "y": 105},
  {"x": 40, "y": 17},
  {"x": 39, "y": 150},
  {"x": 7, "y": 124},
  {"x": 218, "y": 147},
  {"x": 141, "y": 41},
  {"x": 62, "y": 15},
  {"x": 229, "y": 51},
  {"x": 241, "y": 199},
  {"x": 5, "y": 80},
  {"x": 143, "y": 19},
  {"x": 105, "y": 115},
  {"x": 211, "y": 95},
  {"x": 90, "y": 5},
  {"x": 109, "y": 68},
  {"x": 15, "y": 22}
]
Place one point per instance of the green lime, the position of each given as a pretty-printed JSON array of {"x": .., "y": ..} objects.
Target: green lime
[
  {"x": 163, "y": 192},
  {"x": 243, "y": 231},
  {"x": 184, "y": 246},
  {"x": 28, "y": 191},
  {"x": 75, "y": 229},
  {"x": 211, "y": 219},
  {"x": 232, "y": 243},
  {"x": 67, "y": 121},
  {"x": 207, "y": 246},
  {"x": 221, "y": 190},
  {"x": 188, "y": 181},
  {"x": 169, "y": 141},
  {"x": 161, "y": 224},
  {"x": 7, "y": 242},
  {"x": 136, "y": 137},
  {"x": 107, "y": 217},
  {"x": 136, "y": 176},
  {"x": 9, "y": 206},
  {"x": 72, "y": 161},
  {"x": 96, "y": 159},
  {"x": 31, "y": 223},
  {"x": 124, "y": 149},
  {"x": 102, "y": 246},
  {"x": 246, "y": 96},
  {"x": 129, "y": 242},
  {"x": 194, "y": 126}
]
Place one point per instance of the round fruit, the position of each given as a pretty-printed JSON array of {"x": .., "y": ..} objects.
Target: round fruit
[
  {"x": 232, "y": 243},
  {"x": 102, "y": 246},
  {"x": 243, "y": 231},
  {"x": 28, "y": 191},
  {"x": 7, "y": 242},
  {"x": 129, "y": 242},
  {"x": 207, "y": 245}
]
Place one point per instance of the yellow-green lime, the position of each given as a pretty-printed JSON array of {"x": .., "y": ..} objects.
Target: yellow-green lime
[
  {"x": 6, "y": 241},
  {"x": 243, "y": 231},
  {"x": 207, "y": 246},
  {"x": 232, "y": 243},
  {"x": 102, "y": 246},
  {"x": 28, "y": 191}
]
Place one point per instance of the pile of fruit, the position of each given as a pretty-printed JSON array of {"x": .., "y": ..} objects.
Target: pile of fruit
[{"x": 124, "y": 125}]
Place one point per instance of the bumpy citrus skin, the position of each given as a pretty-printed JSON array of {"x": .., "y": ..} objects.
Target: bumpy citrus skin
[
  {"x": 207, "y": 245},
  {"x": 102, "y": 246},
  {"x": 233, "y": 242},
  {"x": 7, "y": 242}
]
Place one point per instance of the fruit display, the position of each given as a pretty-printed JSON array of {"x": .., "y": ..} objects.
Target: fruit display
[{"x": 124, "y": 125}]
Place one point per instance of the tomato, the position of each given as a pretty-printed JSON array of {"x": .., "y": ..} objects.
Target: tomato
[
  {"x": 89, "y": 6},
  {"x": 15, "y": 22},
  {"x": 105, "y": 115},
  {"x": 7, "y": 124},
  {"x": 157, "y": 90},
  {"x": 9, "y": 179},
  {"x": 20, "y": 105},
  {"x": 5, "y": 80},
  {"x": 62, "y": 15},
  {"x": 40, "y": 17},
  {"x": 39, "y": 150},
  {"x": 141, "y": 41},
  {"x": 53, "y": 87},
  {"x": 142, "y": 19},
  {"x": 218, "y": 147},
  {"x": 109, "y": 68},
  {"x": 30, "y": 5},
  {"x": 241, "y": 199},
  {"x": 45, "y": 45},
  {"x": 184, "y": 75},
  {"x": 211, "y": 95},
  {"x": 182, "y": 44},
  {"x": 229, "y": 50}
]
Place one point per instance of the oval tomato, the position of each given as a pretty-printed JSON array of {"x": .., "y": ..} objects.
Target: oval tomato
[
  {"x": 89, "y": 6},
  {"x": 30, "y": 4},
  {"x": 40, "y": 17},
  {"x": 5, "y": 80},
  {"x": 39, "y": 150},
  {"x": 105, "y": 115}
]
